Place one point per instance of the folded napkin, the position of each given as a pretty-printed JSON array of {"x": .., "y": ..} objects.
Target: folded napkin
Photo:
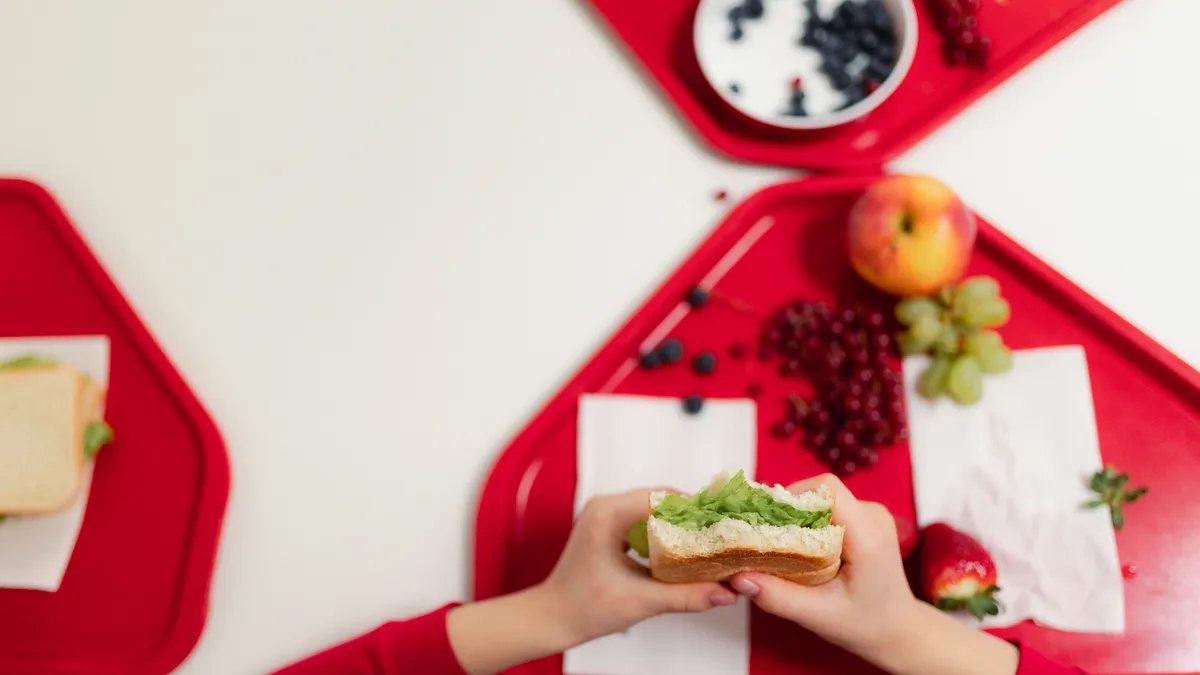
[
  {"x": 35, "y": 550},
  {"x": 629, "y": 442},
  {"x": 1012, "y": 470}
]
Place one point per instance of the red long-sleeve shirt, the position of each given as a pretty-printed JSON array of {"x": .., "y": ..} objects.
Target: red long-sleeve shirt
[{"x": 421, "y": 645}]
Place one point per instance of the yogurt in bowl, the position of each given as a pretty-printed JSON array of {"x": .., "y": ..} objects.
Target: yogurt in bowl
[{"x": 805, "y": 64}]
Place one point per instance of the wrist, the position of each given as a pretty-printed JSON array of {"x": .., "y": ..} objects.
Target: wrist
[
  {"x": 927, "y": 641},
  {"x": 554, "y": 617}
]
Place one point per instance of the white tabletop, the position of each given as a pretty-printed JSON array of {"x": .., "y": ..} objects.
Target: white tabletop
[{"x": 376, "y": 235}]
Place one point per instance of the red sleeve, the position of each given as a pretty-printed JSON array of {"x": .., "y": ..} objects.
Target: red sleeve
[
  {"x": 1033, "y": 663},
  {"x": 418, "y": 645}
]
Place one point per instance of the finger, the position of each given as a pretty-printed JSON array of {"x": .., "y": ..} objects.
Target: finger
[
  {"x": 687, "y": 598},
  {"x": 779, "y": 597},
  {"x": 844, "y": 502},
  {"x": 613, "y": 515},
  {"x": 873, "y": 530}
]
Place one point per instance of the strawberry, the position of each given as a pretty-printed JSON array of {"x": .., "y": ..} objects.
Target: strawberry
[{"x": 957, "y": 573}]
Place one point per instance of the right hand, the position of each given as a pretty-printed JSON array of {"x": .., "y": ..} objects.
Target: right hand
[
  {"x": 868, "y": 608},
  {"x": 865, "y": 608}
]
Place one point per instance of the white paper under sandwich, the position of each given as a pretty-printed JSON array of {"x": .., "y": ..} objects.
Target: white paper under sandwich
[{"x": 628, "y": 442}]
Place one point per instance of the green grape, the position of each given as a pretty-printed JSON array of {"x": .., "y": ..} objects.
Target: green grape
[
  {"x": 910, "y": 347},
  {"x": 947, "y": 342},
  {"x": 639, "y": 539},
  {"x": 932, "y": 383},
  {"x": 926, "y": 330},
  {"x": 974, "y": 289},
  {"x": 964, "y": 383},
  {"x": 985, "y": 313},
  {"x": 988, "y": 348},
  {"x": 977, "y": 342},
  {"x": 911, "y": 309}
]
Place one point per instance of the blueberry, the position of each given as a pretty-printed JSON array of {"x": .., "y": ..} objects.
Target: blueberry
[
  {"x": 832, "y": 64},
  {"x": 737, "y": 14},
  {"x": 868, "y": 41},
  {"x": 847, "y": 51},
  {"x": 853, "y": 95},
  {"x": 693, "y": 404},
  {"x": 753, "y": 9},
  {"x": 796, "y": 105},
  {"x": 736, "y": 34},
  {"x": 670, "y": 351},
  {"x": 650, "y": 360},
  {"x": 734, "y": 88},
  {"x": 840, "y": 80},
  {"x": 852, "y": 14},
  {"x": 697, "y": 298},
  {"x": 877, "y": 70},
  {"x": 811, "y": 7},
  {"x": 886, "y": 53},
  {"x": 704, "y": 363},
  {"x": 817, "y": 37},
  {"x": 877, "y": 16}
]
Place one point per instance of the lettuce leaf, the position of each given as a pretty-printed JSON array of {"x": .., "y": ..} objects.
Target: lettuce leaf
[
  {"x": 28, "y": 361},
  {"x": 736, "y": 499},
  {"x": 96, "y": 435}
]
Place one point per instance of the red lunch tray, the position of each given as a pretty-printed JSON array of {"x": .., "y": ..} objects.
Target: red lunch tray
[
  {"x": 659, "y": 35},
  {"x": 135, "y": 595},
  {"x": 1147, "y": 406}
]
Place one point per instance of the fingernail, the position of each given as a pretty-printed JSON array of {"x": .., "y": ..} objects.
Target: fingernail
[
  {"x": 723, "y": 599},
  {"x": 746, "y": 587}
]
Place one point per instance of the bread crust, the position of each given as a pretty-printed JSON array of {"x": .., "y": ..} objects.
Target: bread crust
[{"x": 723, "y": 565}]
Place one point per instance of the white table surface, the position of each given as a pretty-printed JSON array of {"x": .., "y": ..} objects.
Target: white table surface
[{"x": 376, "y": 235}]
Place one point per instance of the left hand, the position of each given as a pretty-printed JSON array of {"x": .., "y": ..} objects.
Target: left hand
[
  {"x": 594, "y": 590},
  {"x": 599, "y": 590}
]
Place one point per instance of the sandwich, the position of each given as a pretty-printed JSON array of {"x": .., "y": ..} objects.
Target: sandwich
[
  {"x": 49, "y": 429},
  {"x": 737, "y": 525}
]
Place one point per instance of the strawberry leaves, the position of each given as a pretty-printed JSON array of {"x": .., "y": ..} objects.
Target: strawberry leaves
[
  {"x": 981, "y": 604},
  {"x": 1109, "y": 485}
]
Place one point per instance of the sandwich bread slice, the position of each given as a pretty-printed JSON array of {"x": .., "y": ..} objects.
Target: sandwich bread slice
[
  {"x": 737, "y": 525},
  {"x": 41, "y": 438}
]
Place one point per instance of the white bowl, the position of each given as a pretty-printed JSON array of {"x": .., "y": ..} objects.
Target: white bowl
[{"x": 769, "y": 56}]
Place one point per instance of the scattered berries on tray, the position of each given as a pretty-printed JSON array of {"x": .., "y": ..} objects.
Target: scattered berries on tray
[
  {"x": 650, "y": 360},
  {"x": 697, "y": 298},
  {"x": 670, "y": 351},
  {"x": 955, "y": 327},
  {"x": 858, "y": 407},
  {"x": 957, "y": 572},
  {"x": 963, "y": 43},
  {"x": 704, "y": 363},
  {"x": 693, "y": 404},
  {"x": 1111, "y": 490}
]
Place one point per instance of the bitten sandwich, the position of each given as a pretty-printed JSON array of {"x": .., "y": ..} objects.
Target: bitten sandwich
[
  {"x": 736, "y": 525},
  {"x": 49, "y": 429}
]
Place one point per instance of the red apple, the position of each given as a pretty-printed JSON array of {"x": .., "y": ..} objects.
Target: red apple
[{"x": 910, "y": 235}]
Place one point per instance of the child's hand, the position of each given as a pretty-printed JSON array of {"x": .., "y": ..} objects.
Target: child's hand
[
  {"x": 868, "y": 608},
  {"x": 598, "y": 590}
]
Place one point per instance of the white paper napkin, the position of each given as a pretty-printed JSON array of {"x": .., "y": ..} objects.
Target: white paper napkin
[
  {"x": 628, "y": 442},
  {"x": 1012, "y": 471},
  {"x": 35, "y": 550}
]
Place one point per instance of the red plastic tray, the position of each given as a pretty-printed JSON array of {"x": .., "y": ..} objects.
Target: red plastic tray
[
  {"x": 1147, "y": 408},
  {"x": 659, "y": 35},
  {"x": 135, "y": 595}
]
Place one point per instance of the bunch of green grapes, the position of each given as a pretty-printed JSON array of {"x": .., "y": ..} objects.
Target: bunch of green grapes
[{"x": 955, "y": 327}]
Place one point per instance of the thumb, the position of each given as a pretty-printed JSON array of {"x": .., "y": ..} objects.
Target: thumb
[
  {"x": 688, "y": 598},
  {"x": 777, "y": 596}
]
